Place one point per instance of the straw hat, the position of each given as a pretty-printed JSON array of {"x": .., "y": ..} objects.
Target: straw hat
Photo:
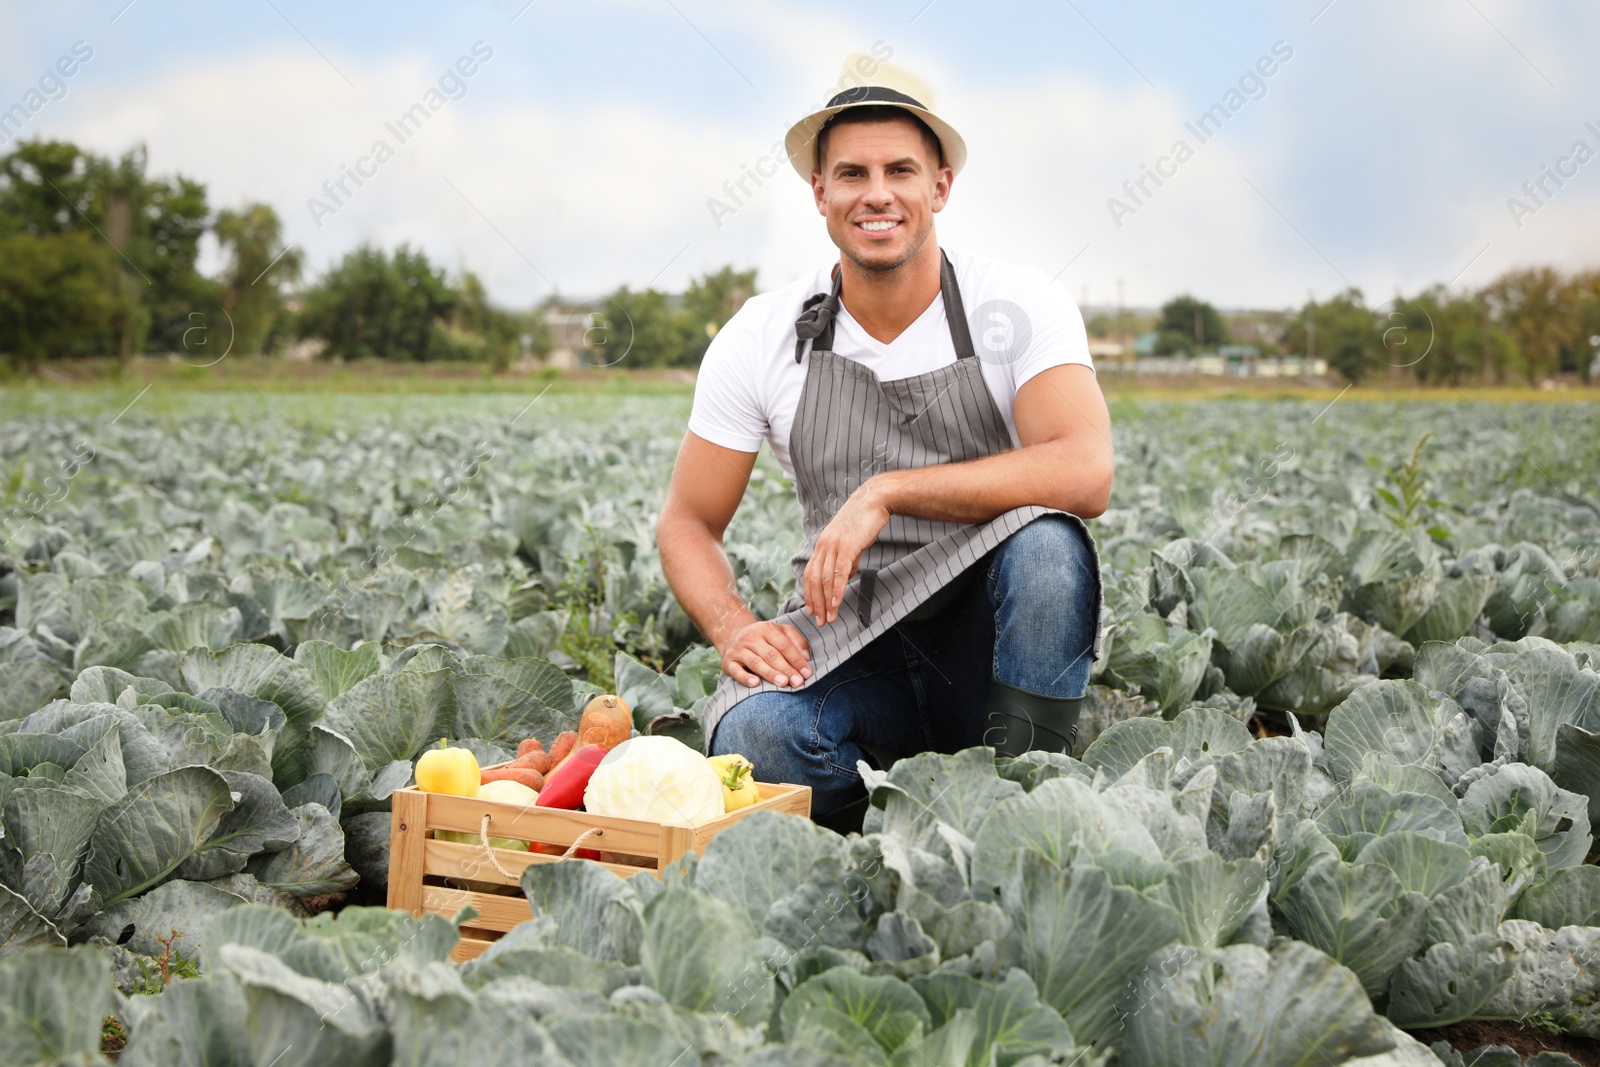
[{"x": 886, "y": 84}]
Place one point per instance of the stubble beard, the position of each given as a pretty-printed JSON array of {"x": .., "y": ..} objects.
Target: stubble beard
[{"x": 913, "y": 247}]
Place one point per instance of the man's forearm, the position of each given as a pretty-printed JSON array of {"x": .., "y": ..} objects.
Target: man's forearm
[
  {"x": 698, "y": 571},
  {"x": 1054, "y": 474}
]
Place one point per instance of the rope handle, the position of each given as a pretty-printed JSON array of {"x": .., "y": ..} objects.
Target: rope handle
[
  {"x": 594, "y": 832},
  {"x": 488, "y": 849}
]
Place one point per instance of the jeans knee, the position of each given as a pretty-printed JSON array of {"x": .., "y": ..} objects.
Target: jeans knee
[
  {"x": 1047, "y": 562},
  {"x": 764, "y": 722},
  {"x": 744, "y": 727}
]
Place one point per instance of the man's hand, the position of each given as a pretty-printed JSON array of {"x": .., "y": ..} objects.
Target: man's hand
[
  {"x": 773, "y": 650},
  {"x": 855, "y": 526}
]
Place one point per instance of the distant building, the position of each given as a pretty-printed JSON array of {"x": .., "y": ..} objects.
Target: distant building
[
  {"x": 1240, "y": 360},
  {"x": 566, "y": 337},
  {"x": 1244, "y": 361}
]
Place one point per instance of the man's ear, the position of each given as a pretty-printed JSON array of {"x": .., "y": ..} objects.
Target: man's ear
[
  {"x": 818, "y": 184},
  {"x": 943, "y": 180}
]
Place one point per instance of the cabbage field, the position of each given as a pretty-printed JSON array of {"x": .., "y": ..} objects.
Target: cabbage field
[{"x": 1338, "y": 776}]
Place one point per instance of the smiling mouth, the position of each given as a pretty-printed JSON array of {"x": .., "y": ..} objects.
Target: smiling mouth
[{"x": 878, "y": 226}]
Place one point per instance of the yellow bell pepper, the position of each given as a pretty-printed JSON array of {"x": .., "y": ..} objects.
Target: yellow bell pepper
[
  {"x": 448, "y": 770},
  {"x": 739, "y": 789}
]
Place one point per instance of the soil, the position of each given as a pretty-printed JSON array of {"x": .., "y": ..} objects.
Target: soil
[
  {"x": 1469, "y": 1035},
  {"x": 112, "y": 1039},
  {"x": 1273, "y": 724},
  {"x": 325, "y": 902}
]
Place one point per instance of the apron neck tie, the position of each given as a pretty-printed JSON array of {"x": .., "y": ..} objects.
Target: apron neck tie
[
  {"x": 816, "y": 318},
  {"x": 817, "y": 314}
]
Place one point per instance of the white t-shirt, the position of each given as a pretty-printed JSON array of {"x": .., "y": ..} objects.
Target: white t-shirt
[{"x": 749, "y": 384}]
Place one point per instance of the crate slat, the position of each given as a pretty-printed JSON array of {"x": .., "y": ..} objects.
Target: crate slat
[
  {"x": 546, "y": 825},
  {"x": 407, "y": 840},
  {"x": 494, "y": 912},
  {"x": 469, "y": 948},
  {"x": 451, "y": 860},
  {"x": 791, "y": 799}
]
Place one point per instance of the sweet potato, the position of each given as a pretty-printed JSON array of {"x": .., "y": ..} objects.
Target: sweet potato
[{"x": 524, "y": 775}]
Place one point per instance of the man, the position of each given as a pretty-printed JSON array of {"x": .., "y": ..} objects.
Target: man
[{"x": 949, "y": 593}]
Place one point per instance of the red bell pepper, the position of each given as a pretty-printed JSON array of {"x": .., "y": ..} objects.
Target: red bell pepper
[{"x": 564, "y": 786}]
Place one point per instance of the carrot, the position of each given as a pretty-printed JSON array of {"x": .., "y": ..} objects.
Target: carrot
[
  {"x": 565, "y": 742},
  {"x": 524, "y": 775},
  {"x": 531, "y": 745}
]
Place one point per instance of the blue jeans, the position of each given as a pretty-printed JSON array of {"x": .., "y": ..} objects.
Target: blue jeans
[{"x": 923, "y": 684}]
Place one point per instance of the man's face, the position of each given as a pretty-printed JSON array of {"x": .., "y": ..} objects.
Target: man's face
[{"x": 879, "y": 191}]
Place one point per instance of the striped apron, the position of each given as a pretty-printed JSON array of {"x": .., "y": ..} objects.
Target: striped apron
[{"x": 851, "y": 425}]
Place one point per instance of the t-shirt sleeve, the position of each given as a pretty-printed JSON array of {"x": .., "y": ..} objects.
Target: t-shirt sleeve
[
  {"x": 1055, "y": 324},
  {"x": 727, "y": 407}
]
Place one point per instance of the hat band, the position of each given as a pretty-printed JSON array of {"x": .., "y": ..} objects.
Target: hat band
[{"x": 875, "y": 94}]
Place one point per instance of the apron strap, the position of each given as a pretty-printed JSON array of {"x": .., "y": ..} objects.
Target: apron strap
[
  {"x": 869, "y": 584},
  {"x": 955, "y": 312},
  {"x": 815, "y": 323}
]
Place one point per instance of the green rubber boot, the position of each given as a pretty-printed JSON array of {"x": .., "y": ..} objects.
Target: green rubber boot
[{"x": 1019, "y": 721}]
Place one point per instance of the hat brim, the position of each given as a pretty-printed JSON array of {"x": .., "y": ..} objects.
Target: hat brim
[{"x": 801, "y": 141}]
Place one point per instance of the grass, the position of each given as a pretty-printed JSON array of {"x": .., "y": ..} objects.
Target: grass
[
  {"x": 1268, "y": 389},
  {"x": 273, "y": 376},
  {"x": 369, "y": 376}
]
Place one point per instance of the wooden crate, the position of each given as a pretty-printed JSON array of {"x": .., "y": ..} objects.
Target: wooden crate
[{"x": 428, "y": 875}]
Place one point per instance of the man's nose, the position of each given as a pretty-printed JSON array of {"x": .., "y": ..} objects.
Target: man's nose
[{"x": 878, "y": 193}]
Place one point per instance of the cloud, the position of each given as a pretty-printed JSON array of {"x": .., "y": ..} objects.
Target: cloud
[
  {"x": 592, "y": 197},
  {"x": 1387, "y": 146}
]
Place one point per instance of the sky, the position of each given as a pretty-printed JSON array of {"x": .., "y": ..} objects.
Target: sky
[{"x": 1388, "y": 149}]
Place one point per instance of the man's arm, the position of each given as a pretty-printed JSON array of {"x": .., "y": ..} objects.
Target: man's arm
[
  {"x": 708, "y": 482},
  {"x": 1064, "y": 461}
]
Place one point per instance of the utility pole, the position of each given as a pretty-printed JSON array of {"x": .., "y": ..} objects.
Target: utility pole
[
  {"x": 1311, "y": 329},
  {"x": 1122, "y": 330}
]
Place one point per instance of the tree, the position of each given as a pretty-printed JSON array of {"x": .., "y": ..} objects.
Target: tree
[
  {"x": 1440, "y": 338},
  {"x": 255, "y": 272},
  {"x": 1527, "y": 304},
  {"x": 708, "y": 305},
  {"x": 1188, "y": 324},
  {"x": 1580, "y": 298},
  {"x": 639, "y": 330},
  {"x": 1347, "y": 336},
  {"x": 482, "y": 331},
  {"x": 373, "y": 306},
  {"x": 166, "y": 219},
  {"x": 43, "y": 186},
  {"x": 52, "y": 189},
  {"x": 57, "y": 297}
]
